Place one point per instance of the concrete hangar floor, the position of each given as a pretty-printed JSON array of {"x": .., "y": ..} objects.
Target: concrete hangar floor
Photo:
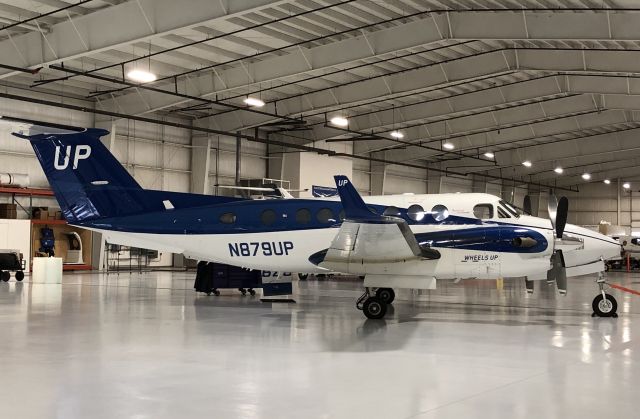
[{"x": 146, "y": 346}]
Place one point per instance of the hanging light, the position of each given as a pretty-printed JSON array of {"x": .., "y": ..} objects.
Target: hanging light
[
  {"x": 448, "y": 146},
  {"x": 558, "y": 170},
  {"x": 489, "y": 155},
  {"x": 586, "y": 176},
  {"x": 340, "y": 121},
  {"x": 527, "y": 163},
  {"x": 396, "y": 134},
  {"x": 254, "y": 101},
  {"x": 141, "y": 76},
  {"x": 626, "y": 185},
  {"x": 607, "y": 181}
]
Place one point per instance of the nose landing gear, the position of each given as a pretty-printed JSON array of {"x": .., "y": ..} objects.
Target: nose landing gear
[{"x": 604, "y": 305}]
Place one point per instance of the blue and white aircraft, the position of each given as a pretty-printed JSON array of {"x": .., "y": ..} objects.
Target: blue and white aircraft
[{"x": 394, "y": 241}]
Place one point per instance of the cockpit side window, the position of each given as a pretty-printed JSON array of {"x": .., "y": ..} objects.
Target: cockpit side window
[
  {"x": 483, "y": 211},
  {"x": 502, "y": 213}
]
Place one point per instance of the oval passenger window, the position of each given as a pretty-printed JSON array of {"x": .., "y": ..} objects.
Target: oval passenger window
[
  {"x": 325, "y": 215},
  {"x": 439, "y": 212},
  {"x": 415, "y": 212},
  {"x": 391, "y": 212},
  {"x": 268, "y": 217},
  {"x": 303, "y": 216}
]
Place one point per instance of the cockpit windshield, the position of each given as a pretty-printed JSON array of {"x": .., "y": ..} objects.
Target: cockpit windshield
[{"x": 515, "y": 211}]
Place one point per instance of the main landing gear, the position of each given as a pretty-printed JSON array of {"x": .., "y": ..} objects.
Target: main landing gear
[
  {"x": 604, "y": 305},
  {"x": 375, "y": 307}
]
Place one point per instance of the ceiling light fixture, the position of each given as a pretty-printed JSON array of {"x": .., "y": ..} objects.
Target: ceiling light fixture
[
  {"x": 558, "y": 170},
  {"x": 340, "y": 121},
  {"x": 607, "y": 181},
  {"x": 586, "y": 176},
  {"x": 141, "y": 76},
  {"x": 489, "y": 155},
  {"x": 396, "y": 134},
  {"x": 626, "y": 185},
  {"x": 254, "y": 101},
  {"x": 448, "y": 146},
  {"x": 526, "y": 163}
]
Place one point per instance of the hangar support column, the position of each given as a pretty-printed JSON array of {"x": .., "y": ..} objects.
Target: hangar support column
[
  {"x": 200, "y": 163},
  {"x": 434, "y": 180},
  {"x": 378, "y": 174}
]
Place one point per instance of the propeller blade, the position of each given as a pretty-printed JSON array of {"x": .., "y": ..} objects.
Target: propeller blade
[
  {"x": 552, "y": 208},
  {"x": 558, "y": 272},
  {"x": 562, "y": 213},
  {"x": 526, "y": 205}
]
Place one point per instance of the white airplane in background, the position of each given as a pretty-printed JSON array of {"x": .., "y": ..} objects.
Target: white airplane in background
[{"x": 395, "y": 241}]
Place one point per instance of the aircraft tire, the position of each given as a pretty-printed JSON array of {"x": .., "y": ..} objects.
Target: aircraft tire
[
  {"x": 387, "y": 295},
  {"x": 303, "y": 277},
  {"x": 374, "y": 308},
  {"x": 603, "y": 308}
]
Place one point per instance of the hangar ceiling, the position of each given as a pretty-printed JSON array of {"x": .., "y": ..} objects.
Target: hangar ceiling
[{"x": 555, "y": 83}]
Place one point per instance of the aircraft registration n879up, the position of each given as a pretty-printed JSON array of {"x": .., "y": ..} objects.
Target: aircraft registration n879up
[{"x": 394, "y": 241}]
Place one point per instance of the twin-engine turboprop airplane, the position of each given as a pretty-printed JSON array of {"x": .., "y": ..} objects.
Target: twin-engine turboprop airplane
[{"x": 395, "y": 241}]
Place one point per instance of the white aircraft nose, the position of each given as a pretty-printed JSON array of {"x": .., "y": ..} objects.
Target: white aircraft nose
[{"x": 596, "y": 246}]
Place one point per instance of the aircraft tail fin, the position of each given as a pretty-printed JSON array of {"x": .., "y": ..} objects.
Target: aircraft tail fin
[
  {"x": 86, "y": 178},
  {"x": 354, "y": 206}
]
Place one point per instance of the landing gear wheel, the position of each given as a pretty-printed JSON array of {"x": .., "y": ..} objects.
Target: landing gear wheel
[
  {"x": 5, "y": 275},
  {"x": 19, "y": 276},
  {"x": 387, "y": 295},
  {"x": 216, "y": 292},
  {"x": 252, "y": 291},
  {"x": 243, "y": 291},
  {"x": 374, "y": 308},
  {"x": 303, "y": 277},
  {"x": 604, "y": 306}
]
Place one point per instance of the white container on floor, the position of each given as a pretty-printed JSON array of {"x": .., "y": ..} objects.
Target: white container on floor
[{"x": 47, "y": 270}]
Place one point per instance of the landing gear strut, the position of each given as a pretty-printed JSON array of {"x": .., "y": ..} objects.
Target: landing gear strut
[
  {"x": 373, "y": 307},
  {"x": 604, "y": 305}
]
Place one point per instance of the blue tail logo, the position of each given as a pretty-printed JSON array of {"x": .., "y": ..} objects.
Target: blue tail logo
[{"x": 82, "y": 152}]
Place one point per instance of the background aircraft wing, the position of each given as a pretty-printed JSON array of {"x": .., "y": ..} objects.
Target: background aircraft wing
[{"x": 366, "y": 237}]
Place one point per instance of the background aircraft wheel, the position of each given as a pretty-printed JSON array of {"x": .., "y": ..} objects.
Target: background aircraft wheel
[
  {"x": 19, "y": 276},
  {"x": 387, "y": 295},
  {"x": 216, "y": 292},
  {"x": 243, "y": 291},
  {"x": 604, "y": 307},
  {"x": 374, "y": 308},
  {"x": 5, "y": 275},
  {"x": 303, "y": 277},
  {"x": 252, "y": 291}
]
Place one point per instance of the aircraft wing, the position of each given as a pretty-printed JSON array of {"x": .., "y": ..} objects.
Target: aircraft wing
[
  {"x": 377, "y": 242},
  {"x": 366, "y": 237}
]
